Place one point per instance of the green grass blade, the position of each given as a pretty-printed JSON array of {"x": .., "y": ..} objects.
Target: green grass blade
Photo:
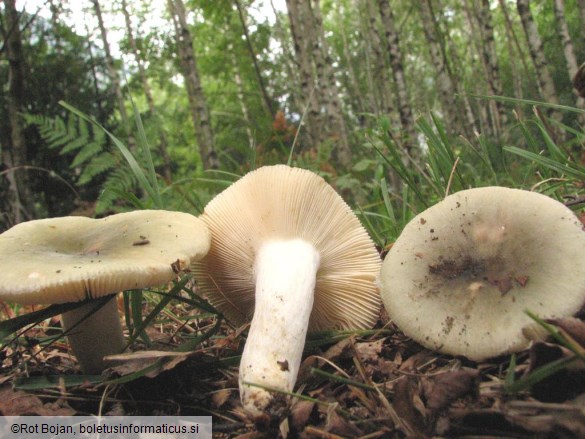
[
  {"x": 547, "y": 162},
  {"x": 337, "y": 378},
  {"x": 57, "y": 381},
  {"x": 529, "y": 102},
  {"x": 143, "y": 141},
  {"x": 540, "y": 374}
]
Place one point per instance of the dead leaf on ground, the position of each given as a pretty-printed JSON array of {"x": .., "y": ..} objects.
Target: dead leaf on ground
[
  {"x": 137, "y": 361},
  {"x": 406, "y": 396},
  {"x": 18, "y": 403},
  {"x": 337, "y": 425},
  {"x": 441, "y": 390},
  {"x": 300, "y": 414},
  {"x": 369, "y": 352},
  {"x": 553, "y": 420}
]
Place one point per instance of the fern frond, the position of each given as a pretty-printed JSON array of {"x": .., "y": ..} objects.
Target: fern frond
[
  {"x": 87, "y": 152},
  {"x": 122, "y": 179},
  {"x": 97, "y": 166}
]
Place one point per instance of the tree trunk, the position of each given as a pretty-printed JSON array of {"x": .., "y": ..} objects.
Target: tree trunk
[
  {"x": 382, "y": 95},
  {"x": 516, "y": 51},
  {"x": 241, "y": 98},
  {"x": 265, "y": 96},
  {"x": 197, "y": 101},
  {"x": 490, "y": 61},
  {"x": 487, "y": 121},
  {"x": 113, "y": 74},
  {"x": 14, "y": 148},
  {"x": 299, "y": 34},
  {"x": 544, "y": 79},
  {"x": 395, "y": 58},
  {"x": 568, "y": 48},
  {"x": 289, "y": 64},
  {"x": 352, "y": 84},
  {"x": 163, "y": 142},
  {"x": 337, "y": 130},
  {"x": 94, "y": 75},
  {"x": 440, "y": 62}
]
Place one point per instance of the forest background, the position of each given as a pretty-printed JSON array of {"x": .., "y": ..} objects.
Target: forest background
[{"x": 362, "y": 92}]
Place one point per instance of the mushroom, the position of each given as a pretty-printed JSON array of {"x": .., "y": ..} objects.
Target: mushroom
[
  {"x": 70, "y": 259},
  {"x": 462, "y": 273},
  {"x": 287, "y": 250}
]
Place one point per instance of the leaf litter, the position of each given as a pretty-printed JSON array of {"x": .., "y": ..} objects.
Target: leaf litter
[{"x": 365, "y": 385}]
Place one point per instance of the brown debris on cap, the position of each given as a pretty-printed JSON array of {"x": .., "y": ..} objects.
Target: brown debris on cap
[{"x": 462, "y": 273}]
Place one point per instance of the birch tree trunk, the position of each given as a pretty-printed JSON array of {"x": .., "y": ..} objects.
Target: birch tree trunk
[
  {"x": 303, "y": 61},
  {"x": 351, "y": 80},
  {"x": 445, "y": 85},
  {"x": 94, "y": 74},
  {"x": 162, "y": 137},
  {"x": 113, "y": 74},
  {"x": 395, "y": 59},
  {"x": 318, "y": 82},
  {"x": 568, "y": 48},
  {"x": 516, "y": 51},
  {"x": 265, "y": 96},
  {"x": 290, "y": 62},
  {"x": 380, "y": 89},
  {"x": 197, "y": 101},
  {"x": 337, "y": 130},
  {"x": 544, "y": 79},
  {"x": 486, "y": 112},
  {"x": 241, "y": 99},
  {"x": 490, "y": 61},
  {"x": 14, "y": 148}
]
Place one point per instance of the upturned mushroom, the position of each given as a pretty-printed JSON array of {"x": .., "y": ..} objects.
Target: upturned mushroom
[
  {"x": 70, "y": 259},
  {"x": 288, "y": 253},
  {"x": 462, "y": 273}
]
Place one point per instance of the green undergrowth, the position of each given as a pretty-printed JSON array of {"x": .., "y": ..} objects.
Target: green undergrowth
[{"x": 386, "y": 188}]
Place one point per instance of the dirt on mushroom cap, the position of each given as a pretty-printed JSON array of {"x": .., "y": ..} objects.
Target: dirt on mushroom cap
[{"x": 463, "y": 272}]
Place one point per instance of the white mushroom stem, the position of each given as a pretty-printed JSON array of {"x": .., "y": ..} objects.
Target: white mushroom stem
[
  {"x": 285, "y": 274},
  {"x": 100, "y": 334}
]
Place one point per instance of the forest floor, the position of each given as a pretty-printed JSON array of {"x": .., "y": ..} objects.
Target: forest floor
[{"x": 378, "y": 384}]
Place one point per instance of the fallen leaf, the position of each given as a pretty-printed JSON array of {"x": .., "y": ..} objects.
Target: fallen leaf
[
  {"x": 337, "y": 425},
  {"x": 548, "y": 420},
  {"x": 18, "y": 403},
  {"x": 300, "y": 414},
  {"x": 138, "y": 361},
  {"x": 441, "y": 390},
  {"x": 369, "y": 352},
  {"x": 405, "y": 392}
]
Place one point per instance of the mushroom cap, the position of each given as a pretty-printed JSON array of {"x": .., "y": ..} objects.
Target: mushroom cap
[
  {"x": 68, "y": 259},
  {"x": 284, "y": 203},
  {"x": 462, "y": 273}
]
